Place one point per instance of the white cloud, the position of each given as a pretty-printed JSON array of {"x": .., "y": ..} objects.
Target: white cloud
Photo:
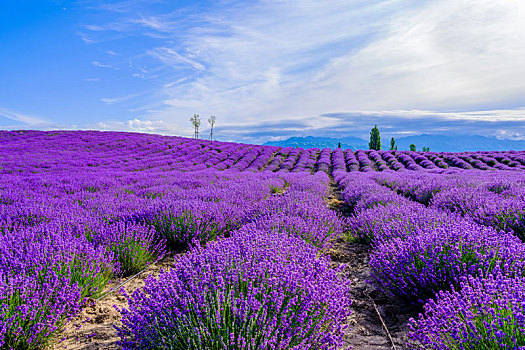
[
  {"x": 176, "y": 82},
  {"x": 141, "y": 125},
  {"x": 102, "y": 65},
  {"x": 120, "y": 99},
  {"x": 156, "y": 23},
  {"x": 172, "y": 58},
  {"x": 449, "y": 54},
  {"x": 275, "y": 60},
  {"x": 86, "y": 39},
  {"x": 497, "y": 115},
  {"x": 281, "y": 59}
]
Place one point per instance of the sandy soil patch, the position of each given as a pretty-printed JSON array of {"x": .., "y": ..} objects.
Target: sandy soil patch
[{"x": 93, "y": 328}]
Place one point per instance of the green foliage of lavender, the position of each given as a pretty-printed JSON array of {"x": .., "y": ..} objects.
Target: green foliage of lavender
[
  {"x": 514, "y": 220},
  {"x": 179, "y": 230},
  {"x": 91, "y": 276},
  {"x": 132, "y": 255},
  {"x": 133, "y": 246}
]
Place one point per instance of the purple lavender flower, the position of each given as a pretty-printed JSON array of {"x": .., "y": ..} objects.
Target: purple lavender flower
[
  {"x": 485, "y": 313},
  {"x": 253, "y": 290},
  {"x": 438, "y": 258}
]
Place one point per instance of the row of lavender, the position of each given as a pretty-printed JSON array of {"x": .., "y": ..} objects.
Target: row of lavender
[
  {"x": 450, "y": 242},
  {"x": 266, "y": 286},
  {"x": 128, "y": 151},
  {"x": 67, "y": 230},
  {"x": 495, "y": 199}
]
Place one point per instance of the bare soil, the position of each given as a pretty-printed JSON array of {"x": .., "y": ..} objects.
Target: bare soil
[
  {"x": 370, "y": 307},
  {"x": 93, "y": 328},
  {"x": 365, "y": 330}
]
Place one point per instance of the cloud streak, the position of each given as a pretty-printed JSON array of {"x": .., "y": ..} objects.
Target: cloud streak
[
  {"x": 119, "y": 99},
  {"x": 22, "y": 119}
]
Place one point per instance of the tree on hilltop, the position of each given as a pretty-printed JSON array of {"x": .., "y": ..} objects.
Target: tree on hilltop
[
  {"x": 375, "y": 139},
  {"x": 393, "y": 145},
  {"x": 211, "y": 120},
  {"x": 412, "y": 147},
  {"x": 196, "y": 122}
]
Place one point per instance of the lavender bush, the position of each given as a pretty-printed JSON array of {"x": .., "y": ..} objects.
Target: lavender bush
[
  {"x": 400, "y": 219},
  {"x": 33, "y": 308},
  {"x": 434, "y": 259},
  {"x": 487, "y": 313},
  {"x": 133, "y": 246},
  {"x": 253, "y": 290}
]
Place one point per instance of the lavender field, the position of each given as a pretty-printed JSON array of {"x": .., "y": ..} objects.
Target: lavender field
[{"x": 253, "y": 238}]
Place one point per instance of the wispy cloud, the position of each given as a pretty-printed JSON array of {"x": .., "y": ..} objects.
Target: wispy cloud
[
  {"x": 119, "y": 99},
  {"x": 23, "y": 118},
  {"x": 23, "y": 121},
  {"x": 157, "y": 23},
  {"x": 86, "y": 39},
  {"x": 102, "y": 65},
  {"x": 266, "y": 62},
  {"x": 173, "y": 59}
]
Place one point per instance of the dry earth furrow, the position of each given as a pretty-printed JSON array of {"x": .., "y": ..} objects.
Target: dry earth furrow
[{"x": 365, "y": 330}]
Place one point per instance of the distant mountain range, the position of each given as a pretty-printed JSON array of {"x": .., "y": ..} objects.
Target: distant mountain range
[{"x": 437, "y": 143}]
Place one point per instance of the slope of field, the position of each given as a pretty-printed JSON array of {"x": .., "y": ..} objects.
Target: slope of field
[
  {"x": 136, "y": 152},
  {"x": 254, "y": 256}
]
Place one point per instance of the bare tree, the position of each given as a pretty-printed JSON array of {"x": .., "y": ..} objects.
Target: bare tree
[
  {"x": 211, "y": 120},
  {"x": 196, "y": 121}
]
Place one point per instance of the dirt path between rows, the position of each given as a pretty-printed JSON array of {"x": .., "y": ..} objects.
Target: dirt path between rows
[{"x": 365, "y": 329}]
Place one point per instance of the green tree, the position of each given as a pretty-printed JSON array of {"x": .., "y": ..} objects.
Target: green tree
[
  {"x": 412, "y": 147},
  {"x": 426, "y": 149},
  {"x": 339, "y": 145},
  {"x": 211, "y": 120},
  {"x": 375, "y": 139},
  {"x": 393, "y": 144},
  {"x": 196, "y": 122}
]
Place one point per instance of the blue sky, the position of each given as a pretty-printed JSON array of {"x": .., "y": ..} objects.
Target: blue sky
[{"x": 266, "y": 69}]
